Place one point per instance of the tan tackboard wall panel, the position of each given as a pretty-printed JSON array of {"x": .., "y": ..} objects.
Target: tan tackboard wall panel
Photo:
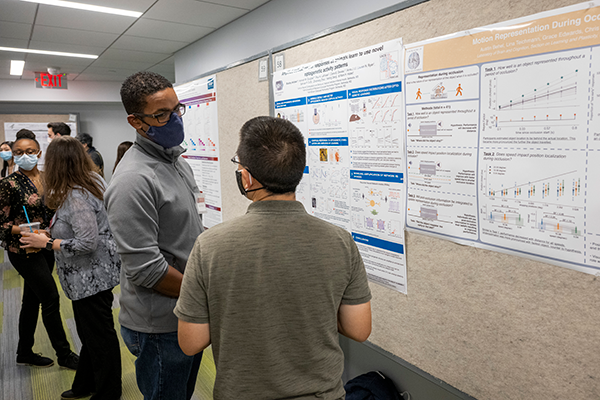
[
  {"x": 240, "y": 97},
  {"x": 492, "y": 325},
  {"x": 30, "y": 118}
]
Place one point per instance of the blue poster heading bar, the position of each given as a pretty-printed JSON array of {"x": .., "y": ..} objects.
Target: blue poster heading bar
[
  {"x": 395, "y": 177},
  {"x": 375, "y": 90},
  {"x": 322, "y": 98},
  {"x": 382, "y": 244},
  {"x": 291, "y": 102},
  {"x": 334, "y": 141},
  {"x": 306, "y": 171}
]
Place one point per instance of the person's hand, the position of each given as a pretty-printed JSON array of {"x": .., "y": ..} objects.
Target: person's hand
[
  {"x": 45, "y": 232},
  {"x": 34, "y": 240}
]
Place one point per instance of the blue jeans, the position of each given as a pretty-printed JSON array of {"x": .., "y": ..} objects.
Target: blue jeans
[{"x": 162, "y": 370}]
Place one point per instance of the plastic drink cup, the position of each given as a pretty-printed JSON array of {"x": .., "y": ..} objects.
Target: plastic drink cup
[{"x": 33, "y": 226}]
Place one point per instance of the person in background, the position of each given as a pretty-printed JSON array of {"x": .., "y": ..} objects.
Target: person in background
[
  {"x": 86, "y": 140},
  {"x": 152, "y": 209},
  {"x": 271, "y": 290},
  {"x": 121, "y": 150},
  {"x": 87, "y": 263},
  {"x": 19, "y": 192},
  {"x": 57, "y": 129},
  {"x": 8, "y": 165}
]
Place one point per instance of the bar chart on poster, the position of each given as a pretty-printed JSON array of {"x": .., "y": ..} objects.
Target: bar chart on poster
[{"x": 502, "y": 136}]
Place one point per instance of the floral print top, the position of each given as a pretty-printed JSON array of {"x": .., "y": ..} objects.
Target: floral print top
[
  {"x": 88, "y": 262},
  {"x": 16, "y": 191}
]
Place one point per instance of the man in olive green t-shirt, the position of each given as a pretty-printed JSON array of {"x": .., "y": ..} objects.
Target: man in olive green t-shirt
[{"x": 271, "y": 290}]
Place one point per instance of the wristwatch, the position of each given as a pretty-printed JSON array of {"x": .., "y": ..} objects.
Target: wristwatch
[{"x": 49, "y": 244}]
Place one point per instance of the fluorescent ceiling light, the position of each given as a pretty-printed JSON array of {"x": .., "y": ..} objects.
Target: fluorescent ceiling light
[
  {"x": 87, "y": 7},
  {"x": 16, "y": 67},
  {"x": 50, "y": 53}
]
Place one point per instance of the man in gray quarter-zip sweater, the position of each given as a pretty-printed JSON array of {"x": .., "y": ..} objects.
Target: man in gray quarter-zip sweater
[{"x": 152, "y": 211}]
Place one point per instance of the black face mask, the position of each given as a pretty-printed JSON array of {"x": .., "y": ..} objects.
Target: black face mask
[{"x": 240, "y": 184}]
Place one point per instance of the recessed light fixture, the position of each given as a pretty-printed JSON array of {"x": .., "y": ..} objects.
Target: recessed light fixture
[
  {"x": 16, "y": 67},
  {"x": 50, "y": 53},
  {"x": 87, "y": 7}
]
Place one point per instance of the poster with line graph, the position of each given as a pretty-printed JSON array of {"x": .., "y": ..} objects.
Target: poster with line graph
[
  {"x": 530, "y": 135},
  {"x": 350, "y": 109},
  {"x": 201, "y": 142}
]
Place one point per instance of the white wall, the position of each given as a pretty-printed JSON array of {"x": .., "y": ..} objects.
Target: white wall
[
  {"x": 105, "y": 122},
  {"x": 78, "y": 91},
  {"x": 276, "y": 23}
]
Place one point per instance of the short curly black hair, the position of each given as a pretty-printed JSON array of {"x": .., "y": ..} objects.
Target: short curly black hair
[
  {"x": 272, "y": 150},
  {"x": 140, "y": 85}
]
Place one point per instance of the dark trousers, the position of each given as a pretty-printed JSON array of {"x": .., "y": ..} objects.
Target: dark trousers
[
  {"x": 39, "y": 288},
  {"x": 99, "y": 367}
]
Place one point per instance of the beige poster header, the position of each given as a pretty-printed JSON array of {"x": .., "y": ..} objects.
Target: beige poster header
[{"x": 570, "y": 30}]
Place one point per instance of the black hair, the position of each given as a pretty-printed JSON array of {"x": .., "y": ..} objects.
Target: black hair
[
  {"x": 5, "y": 163},
  {"x": 25, "y": 134},
  {"x": 140, "y": 85},
  {"x": 85, "y": 138},
  {"x": 27, "y": 137},
  {"x": 272, "y": 150},
  {"x": 61, "y": 128}
]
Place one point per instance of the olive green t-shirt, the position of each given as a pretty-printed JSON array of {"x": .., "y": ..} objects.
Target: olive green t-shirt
[{"x": 270, "y": 284}]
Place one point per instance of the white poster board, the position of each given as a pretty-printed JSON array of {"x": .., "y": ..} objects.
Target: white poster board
[
  {"x": 350, "y": 110},
  {"x": 503, "y": 136},
  {"x": 202, "y": 142},
  {"x": 41, "y": 134}
]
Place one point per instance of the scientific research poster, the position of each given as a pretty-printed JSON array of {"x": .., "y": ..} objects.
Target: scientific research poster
[
  {"x": 202, "y": 142},
  {"x": 350, "y": 111},
  {"x": 503, "y": 136},
  {"x": 41, "y": 134}
]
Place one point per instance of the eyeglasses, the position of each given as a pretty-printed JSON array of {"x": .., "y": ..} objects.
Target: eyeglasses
[
  {"x": 29, "y": 152},
  {"x": 236, "y": 160},
  {"x": 164, "y": 116}
]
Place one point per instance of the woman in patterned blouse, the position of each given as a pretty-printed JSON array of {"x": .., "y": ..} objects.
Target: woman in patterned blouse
[
  {"x": 23, "y": 190},
  {"x": 87, "y": 262}
]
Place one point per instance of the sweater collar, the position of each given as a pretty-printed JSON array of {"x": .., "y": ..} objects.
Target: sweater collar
[
  {"x": 276, "y": 206},
  {"x": 157, "y": 151}
]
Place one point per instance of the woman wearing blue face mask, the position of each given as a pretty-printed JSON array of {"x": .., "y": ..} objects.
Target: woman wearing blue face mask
[
  {"x": 23, "y": 189},
  {"x": 6, "y": 155}
]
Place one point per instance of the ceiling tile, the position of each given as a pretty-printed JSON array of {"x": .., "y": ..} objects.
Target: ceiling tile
[
  {"x": 15, "y": 30},
  {"x": 129, "y": 5},
  {"x": 194, "y": 13},
  {"x": 137, "y": 56},
  {"x": 84, "y": 20},
  {"x": 245, "y": 4},
  {"x": 18, "y": 43},
  {"x": 17, "y": 11},
  {"x": 73, "y": 36},
  {"x": 110, "y": 63},
  {"x": 127, "y": 42},
  {"x": 56, "y": 61},
  {"x": 65, "y": 47},
  {"x": 100, "y": 77},
  {"x": 37, "y": 66},
  {"x": 151, "y": 28}
]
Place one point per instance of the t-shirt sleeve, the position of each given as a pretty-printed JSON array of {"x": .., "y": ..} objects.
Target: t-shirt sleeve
[
  {"x": 357, "y": 291},
  {"x": 192, "y": 305}
]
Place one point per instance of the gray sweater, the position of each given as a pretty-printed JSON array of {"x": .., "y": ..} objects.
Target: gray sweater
[{"x": 151, "y": 204}]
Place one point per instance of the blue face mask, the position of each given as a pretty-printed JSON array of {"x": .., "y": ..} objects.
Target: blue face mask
[
  {"x": 168, "y": 135},
  {"x": 6, "y": 155},
  {"x": 26, "y": 161}
]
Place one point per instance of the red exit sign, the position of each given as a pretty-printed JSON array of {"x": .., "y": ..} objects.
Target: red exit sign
[{"x": 44, "y": 80}]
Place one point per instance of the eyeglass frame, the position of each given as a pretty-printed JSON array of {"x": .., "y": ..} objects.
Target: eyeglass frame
[
  {"x": 179, "y": 110},
  {"x": 236, "y": 160},
  {"x": 26, "y": 152}
]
